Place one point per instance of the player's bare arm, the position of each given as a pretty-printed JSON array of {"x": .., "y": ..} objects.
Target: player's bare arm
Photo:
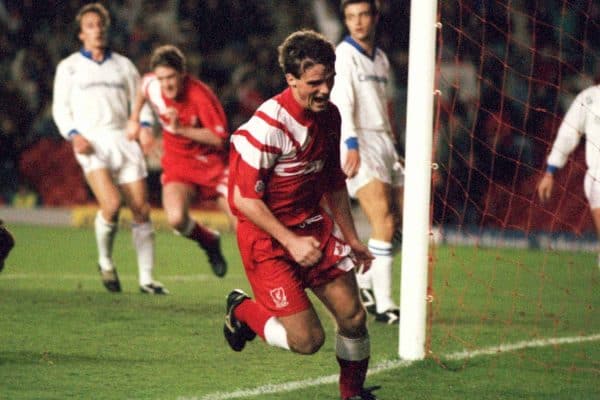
[
  {"x": 201, "y": 135},
  {"x": 134, "y": 130},
  {"x": 340, "y": 209},
  {"x": 545, "y": 187},
  {"x": 303, "y": 249},
  {"x": 352, "y": 163},
  {"x": 133, "y": 124},
  {"x": 146, "y": 139}
]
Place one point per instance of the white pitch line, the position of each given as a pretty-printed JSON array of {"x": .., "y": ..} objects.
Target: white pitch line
[
  {"x": 505, "y": 348},
  {"x": 387, "y": 365}
]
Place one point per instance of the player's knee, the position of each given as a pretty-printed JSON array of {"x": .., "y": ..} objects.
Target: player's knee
[
  {"x": 140, "y": 212},
  {"x": 358, "y": 320},
  {"x": 308, "y": 342},
  {"x": 110, "y": 210},
  {"x": 353, "y": 324},
  {"x": 310, "y": 347}
]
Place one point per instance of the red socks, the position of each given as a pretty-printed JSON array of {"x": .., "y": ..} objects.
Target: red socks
[
  {"x": 352, "y": 376},
  {"x": 254, "y": 315},
  {"x": 203, "y": 236}
]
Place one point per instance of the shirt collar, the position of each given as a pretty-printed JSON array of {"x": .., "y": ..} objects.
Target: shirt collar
[
  {"x": 300, "y": 113},
  {"x": 348, "y": 39},
  {"x": 88, "y": 54}
]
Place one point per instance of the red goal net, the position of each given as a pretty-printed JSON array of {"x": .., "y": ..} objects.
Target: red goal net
[{"x": 507, "y": 268}]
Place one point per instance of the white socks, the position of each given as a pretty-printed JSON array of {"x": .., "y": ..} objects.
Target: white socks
[
  {"x": 143, "y": 241},
  {"x": 381, "y": 274},
  {"x": 275, "y": 334},
  {"x": 105, "y": 236}
]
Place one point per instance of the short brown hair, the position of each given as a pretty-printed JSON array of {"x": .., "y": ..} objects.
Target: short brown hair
[
  {"x": 97, "y": 8},
  {"x": 304, "y": 49},
  {"x": 168, "y": 56},
  {"x": 373, "y": 3}
]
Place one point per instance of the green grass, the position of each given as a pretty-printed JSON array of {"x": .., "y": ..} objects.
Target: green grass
[{"x": 63, "y": 336}]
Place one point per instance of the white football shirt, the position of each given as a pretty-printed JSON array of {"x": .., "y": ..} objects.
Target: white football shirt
[
  {"x": 361, "y": 89},
  {"x": 582, "y": 118},
  {"x": 93, "y": 97}
]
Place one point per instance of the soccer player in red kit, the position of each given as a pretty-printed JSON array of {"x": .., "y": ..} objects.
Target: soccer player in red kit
[
  {"x": 194, "y": 139},
  {"x": 283, "y": 162}
]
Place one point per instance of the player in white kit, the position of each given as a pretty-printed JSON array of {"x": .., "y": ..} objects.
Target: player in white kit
[
  {"x": 93, "y": 91},
  {"x": 582, "y": 118},
  {"x": 369, "y": 157}
]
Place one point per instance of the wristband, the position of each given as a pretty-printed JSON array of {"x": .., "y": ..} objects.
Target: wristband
[
  {"x": 551, "y": 169},
  {"x": 145, "y": 124},
  {"x": 352, "y": 143},
  {"x": 72, "y": 133}
]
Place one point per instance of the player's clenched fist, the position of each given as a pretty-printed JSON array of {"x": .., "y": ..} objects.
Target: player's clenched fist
[
  {"x": 305, "y": 250},
  {"x": 361, "y": 256}
]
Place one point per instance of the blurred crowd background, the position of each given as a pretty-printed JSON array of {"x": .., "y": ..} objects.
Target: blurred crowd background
[
  {"x": 230, "y": 44},
  {"x": 507, "y": 71}
]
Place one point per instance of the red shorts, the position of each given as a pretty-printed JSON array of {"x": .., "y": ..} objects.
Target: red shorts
[
  {"x": 277, "y": 281},
  {"x": 209, "y": 175}
]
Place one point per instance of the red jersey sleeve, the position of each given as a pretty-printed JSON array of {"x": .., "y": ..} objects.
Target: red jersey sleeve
[
  {"x": 210, "y": 111},
  {"x": 251, "y": 162}
]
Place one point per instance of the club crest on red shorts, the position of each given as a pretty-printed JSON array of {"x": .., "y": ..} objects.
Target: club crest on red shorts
[{"x": 279, "y": 297}]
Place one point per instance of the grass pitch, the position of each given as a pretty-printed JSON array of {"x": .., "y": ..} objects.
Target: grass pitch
[{"x": 63, "y": 336}]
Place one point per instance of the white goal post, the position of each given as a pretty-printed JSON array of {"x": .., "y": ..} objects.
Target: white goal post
[{"x": 417, "y": 187}]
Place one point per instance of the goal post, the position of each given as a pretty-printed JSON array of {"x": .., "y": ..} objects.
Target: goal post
[{"x": 419, "y": 138}]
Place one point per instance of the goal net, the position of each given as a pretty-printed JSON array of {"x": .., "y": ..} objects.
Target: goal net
[{"x": 508, "y": 272}]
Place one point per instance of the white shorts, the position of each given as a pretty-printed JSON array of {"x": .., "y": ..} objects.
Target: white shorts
[
  {"x": 113, "y": 151},
  {"x": 591, "y": 186},
  {"x": 378, "y": 160}
]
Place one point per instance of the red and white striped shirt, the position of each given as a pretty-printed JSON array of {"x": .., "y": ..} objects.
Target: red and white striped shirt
[{"x": 288, "y": 157}]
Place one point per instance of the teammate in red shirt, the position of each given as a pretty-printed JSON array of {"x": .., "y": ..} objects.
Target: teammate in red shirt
[
  {"x": 194, "y": 142},
  {"x": 284, "y": 161}
]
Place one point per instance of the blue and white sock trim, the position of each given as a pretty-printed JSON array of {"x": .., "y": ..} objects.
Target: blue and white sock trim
[{"x": 380, "y": 248}]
